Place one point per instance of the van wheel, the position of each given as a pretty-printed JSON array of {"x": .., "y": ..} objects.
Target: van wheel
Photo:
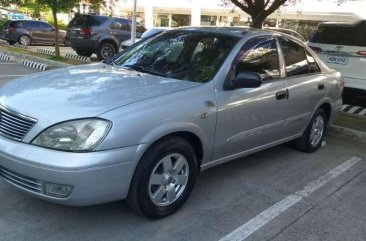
[
  {"x": 314, "y": 134},
  {"x": 25, "y": 40},
  {"x": 164, "y": 178},
  {"x": 106, "y": 51}
]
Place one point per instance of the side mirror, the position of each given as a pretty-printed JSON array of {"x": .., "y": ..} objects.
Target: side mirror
[{"x": 247, "y": 80}]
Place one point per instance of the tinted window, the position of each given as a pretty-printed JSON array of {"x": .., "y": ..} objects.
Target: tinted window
[
  {"x": 351, "y": 35},
  {"x": 45, "y": 25},
  {"x": 87, "y": 21},
  {"x": 17, "y": 24},
  {"x": 295, "y": 58},
  {"x": 33, "y": 24},
  {"x": 260, "y": 58},
  {"x": 121, "y": 24},
  {"x": 6, "y": 24},
  {"x": 183, "y": 55},
  {"x": 313, "y": 65}
]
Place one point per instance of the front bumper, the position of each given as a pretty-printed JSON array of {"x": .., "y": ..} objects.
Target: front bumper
[{"x": 95, "y": 177}]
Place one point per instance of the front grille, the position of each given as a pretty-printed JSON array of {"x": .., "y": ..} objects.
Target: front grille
[
  {"x": 19, "y": 180},
  {"x": 14, "y": 125}
]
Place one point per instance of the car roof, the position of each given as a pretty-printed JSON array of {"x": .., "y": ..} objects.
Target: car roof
[{"x": 233, "y": 31}]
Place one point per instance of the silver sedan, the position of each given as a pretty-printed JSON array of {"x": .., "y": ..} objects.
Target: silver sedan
[{"x": 143, "y": 125}]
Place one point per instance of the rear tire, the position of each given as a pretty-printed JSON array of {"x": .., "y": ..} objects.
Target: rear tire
[
  {"x": 314, "y": 134},
  {"x": 164, "y": 178},
  {"x": 11, "y": 42},
  {"x": 106, "y": 51},
  {"x": 25, "y": 40},
  {"x": 85, "y": 53}
]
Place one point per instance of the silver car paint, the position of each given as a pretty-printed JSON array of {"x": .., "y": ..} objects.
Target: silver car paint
[{"x": 144, "y": 108}]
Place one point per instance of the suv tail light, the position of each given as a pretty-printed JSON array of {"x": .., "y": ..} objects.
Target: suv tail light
[
  {"x": 315, "y": 49},
  {"x": 11, "y": 29},
  {"x": 85, "y": 31},
  {"x": 363, "y": 52}
]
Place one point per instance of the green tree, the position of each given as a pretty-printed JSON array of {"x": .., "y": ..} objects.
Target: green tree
[
  {"x": 57, "y": 6},
  {"x": 259, "y": 10}
]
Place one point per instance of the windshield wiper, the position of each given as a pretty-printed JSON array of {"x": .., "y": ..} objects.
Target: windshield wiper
[{"x": 142, "y": 69}]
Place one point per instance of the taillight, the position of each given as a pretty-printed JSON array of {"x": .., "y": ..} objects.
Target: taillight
[
  {"x": 85, "y": 31},
  {"x": 11, "y": 29},
  {"x": 363, "y": 52},
  {"x": 315, "y": 49}
]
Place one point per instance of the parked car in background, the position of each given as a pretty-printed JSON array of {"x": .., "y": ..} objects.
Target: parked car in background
[
  {"x": 88, "y": 34},
  {"x": 147, "y": 34},
  {"x": 342, "y": 46},
  {"x": 144, "y": 125},
  {"x": 14, "y": 16},
  {"x": 27, "y": 32}
]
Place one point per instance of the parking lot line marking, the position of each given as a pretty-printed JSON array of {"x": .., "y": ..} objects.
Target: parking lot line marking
[{"x": 247, "y": 229}]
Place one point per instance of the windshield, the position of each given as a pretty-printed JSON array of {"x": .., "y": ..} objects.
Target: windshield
[{"x": 184, "y": 55}]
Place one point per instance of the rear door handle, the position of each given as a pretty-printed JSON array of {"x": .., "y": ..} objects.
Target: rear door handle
[
  {"x": 282, "y": 94},
  {"x": 321, "y": 86}
]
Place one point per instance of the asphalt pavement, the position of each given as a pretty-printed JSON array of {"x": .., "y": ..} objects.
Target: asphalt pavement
[{"x": 277, "y": 194}]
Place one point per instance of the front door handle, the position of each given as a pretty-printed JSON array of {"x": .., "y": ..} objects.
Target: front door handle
[
  {"x": 321, "y": 86},
  {"x": 282, "y": 94}
]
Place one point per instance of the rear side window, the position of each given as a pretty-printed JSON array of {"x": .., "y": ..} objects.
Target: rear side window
[
  {"x": 349, "y": 35},
  {"x": 45, "y": 25},
  {"x": 262, "y": 59},
  {"x": 120, "y": 24},
  {"x": 87, "y": 21},
  {"x": 17, "y": 24},
  {"x": 295, "y": 58},
  {"x": 6, "y": 24}
]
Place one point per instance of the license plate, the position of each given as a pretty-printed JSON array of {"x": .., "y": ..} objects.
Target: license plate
[{"x": 337, "y": 59}]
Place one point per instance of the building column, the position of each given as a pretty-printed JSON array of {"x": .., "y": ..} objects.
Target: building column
[
  {"x": 196, "y": 13},
  {"x": 149, "y": 14}
]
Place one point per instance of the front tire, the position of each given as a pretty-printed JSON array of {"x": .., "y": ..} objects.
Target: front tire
[
  {"x": 314, "y": 134},
  {"x": 164, "y": 178}
]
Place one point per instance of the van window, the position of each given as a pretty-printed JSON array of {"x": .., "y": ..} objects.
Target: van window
[{"x": 349, "y": 35}]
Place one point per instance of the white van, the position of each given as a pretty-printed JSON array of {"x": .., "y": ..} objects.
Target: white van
[{"x": 342, "y": 47}]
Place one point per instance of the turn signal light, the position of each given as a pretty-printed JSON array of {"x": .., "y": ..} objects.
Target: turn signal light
[
  {"x": 85, "y": 31},
  {"x": 11, "y": 30}
]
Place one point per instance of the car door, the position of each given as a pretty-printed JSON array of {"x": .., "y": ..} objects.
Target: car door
[
  {"x": 305, "y": 83},
  {"x": 34, "y": 28},
  {"x": 249, "y": 118},
  {"x": 47, "y": 33}
]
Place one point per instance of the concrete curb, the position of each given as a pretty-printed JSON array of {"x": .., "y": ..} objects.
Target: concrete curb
[
  {"x": 354, "y": 110},
  {"x": 19, "y": 57},
  {"x": 46, "y": 51},
  {"x": 4, "y": 43},
  {"x": 78, "y": 57},
  {"x": 34, "y": 65},
  {"x": 4, "y": 57},
  {"x": 355, "y": 134},
  {"x": 20, "y": 46}
]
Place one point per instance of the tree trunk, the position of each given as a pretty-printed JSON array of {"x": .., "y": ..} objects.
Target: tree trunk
[
  {"x": 57, "y": 46},
  {"x": 257, "y": 21}
]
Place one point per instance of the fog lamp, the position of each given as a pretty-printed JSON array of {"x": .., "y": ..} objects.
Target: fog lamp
[{"x": 58, "y": 190}]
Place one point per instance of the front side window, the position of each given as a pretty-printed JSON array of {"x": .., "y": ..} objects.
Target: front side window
[
  {"x": 260, "y": 58},
  {"x": 184, "y": 55},
  {"x": 295, "y": 58}
]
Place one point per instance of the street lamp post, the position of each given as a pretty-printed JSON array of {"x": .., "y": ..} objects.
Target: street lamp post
[{"x": 133, "y": 27}]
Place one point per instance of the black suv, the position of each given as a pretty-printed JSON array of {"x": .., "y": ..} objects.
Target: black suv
[
  {"x": 88, "y": 34},
  {"x": 27, "y": 32}
]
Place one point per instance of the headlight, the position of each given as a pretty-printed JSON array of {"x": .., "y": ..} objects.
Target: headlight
[{"x": 77, "y": 135}]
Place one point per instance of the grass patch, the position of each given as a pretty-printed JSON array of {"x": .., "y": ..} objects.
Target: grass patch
[{"x": 40, "y": 55}]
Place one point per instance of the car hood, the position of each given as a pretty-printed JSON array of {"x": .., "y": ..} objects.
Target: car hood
[{"x": 83, "y": 91}]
